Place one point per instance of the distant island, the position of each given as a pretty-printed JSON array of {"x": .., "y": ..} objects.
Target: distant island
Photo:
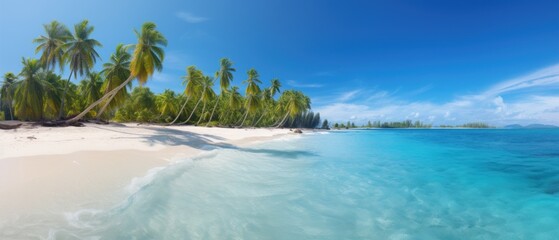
[
  {"x": 403, "y": 124},
  {"x": 530, "y": 126}
]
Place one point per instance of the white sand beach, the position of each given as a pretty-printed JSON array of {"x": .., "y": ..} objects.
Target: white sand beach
[{"x": 46, "y": 170}]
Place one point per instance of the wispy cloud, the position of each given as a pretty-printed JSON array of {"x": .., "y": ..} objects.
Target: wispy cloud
[
  {"x": 346, "y": 96},
  {"x": 294, "y": 83},
  {"x": 526, "y": 99},
  {"x": 190, "y": 18}
]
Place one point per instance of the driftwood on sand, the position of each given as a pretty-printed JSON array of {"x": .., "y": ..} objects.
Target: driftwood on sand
[
  {"x": 61, "y": 123},
  {"x": 6, "y": 125}
]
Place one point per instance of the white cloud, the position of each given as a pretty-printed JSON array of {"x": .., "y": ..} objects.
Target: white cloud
[
  {"x": 303, "y": 85},
  {"x": 346, "y": 96},
  {"x": 191, "y": 18},
  {"x": 526, "y": 99}
]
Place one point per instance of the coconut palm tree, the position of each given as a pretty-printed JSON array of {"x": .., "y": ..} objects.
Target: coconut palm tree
[
  {"x": 30, "y": 91},
  {"x": 53, "y": 85},
  {"x": 80, "y": 54},
  {"x": 51, "y": 45},
  {"x": 147, "y": 57},
  {"x": 116, "y": 71},
  {"x": 234, "y": 100},
  {"x": 293, "y": 103},
  {"x": 268, "y": 97},
  {"x": 90, "y": 88},
  {"x": 7, "y": 92},
  {"x": 200, "y": 89},
  {"x": 207, "y": 94},
  {"x": 225, "y": 76},
  {"x": 166, "y": 103},
  {"x": 251, "y": 91},
  {"x": 192, "y": 82}
]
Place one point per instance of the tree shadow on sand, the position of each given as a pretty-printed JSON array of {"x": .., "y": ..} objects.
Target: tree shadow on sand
[{"x": 174, "y": 137}]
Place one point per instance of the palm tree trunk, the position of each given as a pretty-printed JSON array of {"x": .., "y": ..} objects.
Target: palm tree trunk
[
  {"x": 215, "y": 106},
  {"x": 105, "y": 106},
  {"x": 193, "y": 110},
  {"x": 246, "y": 114},
  {"x": 283, "y": 120},
  {"x": 180, "y": 112},
  {"x": 11, "y": 112},
  {"x": 61, "y": 111},
  {"x": 262, "y": 116},
  {"x": 107, "y": 95},
  {"x": 202, "y": 116}
]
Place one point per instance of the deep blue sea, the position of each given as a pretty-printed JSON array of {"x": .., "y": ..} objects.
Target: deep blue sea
[{"x": 363, "y": 184}]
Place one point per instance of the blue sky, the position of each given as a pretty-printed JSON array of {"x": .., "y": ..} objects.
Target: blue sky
[{"x": 436, "y": 61}]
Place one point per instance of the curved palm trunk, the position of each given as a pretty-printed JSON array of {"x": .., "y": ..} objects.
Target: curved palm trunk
[
  {"x": 61, "y": 111},
  {"x": 215, "y": 106},
  {"x": 246, "y": 114},
  {"x": 262, "y": 116},
  {"x": 180, "y": 112},
  {"x": 193, "y": 110},
  {"x": 100, "y": 113},
  {"x": 202, "y": 116},
  {"x": 283, "y": 120},
  {"x": 106, "y": 96}
]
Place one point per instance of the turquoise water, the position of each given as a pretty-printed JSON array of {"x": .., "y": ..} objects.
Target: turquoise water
[{"x": 370, "y": 184}]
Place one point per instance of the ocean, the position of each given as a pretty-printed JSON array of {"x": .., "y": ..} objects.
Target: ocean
[{"x": 361, "y": 184}]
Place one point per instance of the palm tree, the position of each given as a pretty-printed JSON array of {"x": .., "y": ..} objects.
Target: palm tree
[
  {"x": 225, "y": 76},
  {"x": 53, "y": 85},
  {"x": 251, "y": 91},
  {"x": 30, "y": 91},
  {"x": 116, "y": 72},
  {"x": 268, "y": 96},
  {"x": 7, "y": 92},
  {"x": 90, "y": 88},
  {"x": 234, "y": 100},
  {"x": 147, "y": 57},
  {"x": 166, "y": 103},
  {"x": 192, "y": 82},
  {"x": 51, "y": 44},
  {"x": 207, "y": 94},
  {"x": 293, "y": 103},
  {"x": 200, "y": 89},
  {"x": 80, "y": 53}
]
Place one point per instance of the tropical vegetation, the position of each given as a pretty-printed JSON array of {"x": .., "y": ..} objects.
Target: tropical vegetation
[{"x": 116, "y": 90}]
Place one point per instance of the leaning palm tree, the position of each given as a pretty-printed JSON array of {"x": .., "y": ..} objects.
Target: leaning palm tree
[
  {"x": 293, "y": 103},
  {"x": 53, "y": 86},
  {"x": 51, "y": 45},
  {"x": 225, "y": 76},
  {"x": 251, "y": 91},
  {"x": 147, "y": 57},
  {"x": 81, "y": 55},
  {"x": 268, "y": 97},
  {"x": 192, "y": 82},
  {"x": 30, "y": 91},
  {"x": 90, "y": 88},
  {"x": 234, "y": 100},
  {"x": 200, "y": 89},
  {"x": 116, "y": 72},
  {"x": 7, "y": 92},
  {"x": 166, "y": 103},
  {"x": 207, "y": 95}
]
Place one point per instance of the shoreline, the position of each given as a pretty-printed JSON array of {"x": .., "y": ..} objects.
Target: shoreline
[{"x": 53, "y": 170}]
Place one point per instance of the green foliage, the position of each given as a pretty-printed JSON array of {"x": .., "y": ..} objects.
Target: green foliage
[
  {"x": 139, "y": 107},
  {"x": 39, "y": 94},
  {"x": 476, "y": 125}
]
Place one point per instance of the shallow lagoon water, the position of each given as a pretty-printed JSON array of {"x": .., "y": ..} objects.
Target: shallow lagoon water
[{"x": 370, "y": 184}]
